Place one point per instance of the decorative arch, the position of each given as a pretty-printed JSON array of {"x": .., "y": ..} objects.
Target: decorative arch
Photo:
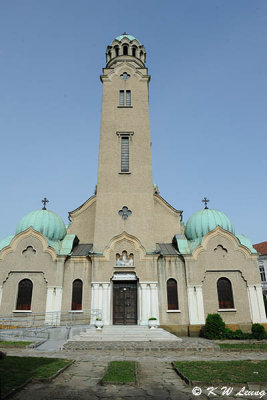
[
  {"x": 30, "y": 232},
  {"x": 172, "y": 294},
  {"x": 24, "y": 297},
  {"x": 225, "y": 293},
  {"x": 77, "y": 295},
  {"x": 233, "y": 240},
  {"x": 125, "y": 236}
]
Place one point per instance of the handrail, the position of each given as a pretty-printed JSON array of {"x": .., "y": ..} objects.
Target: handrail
[{"x": 52, "y": 318}]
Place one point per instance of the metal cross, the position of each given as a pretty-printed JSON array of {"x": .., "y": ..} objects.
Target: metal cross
[
  {"x": 125, "y": 212},
  {"x": 45, "y": 200},
  {"x": 205, "y": 200}
]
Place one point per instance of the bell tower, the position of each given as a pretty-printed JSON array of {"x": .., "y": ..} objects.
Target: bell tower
[{"x": 124, "y": 185}]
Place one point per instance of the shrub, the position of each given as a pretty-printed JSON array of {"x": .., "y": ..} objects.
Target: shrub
[
  {"x": 258, "y": 331},
  {"x": 214, "y": 327}
]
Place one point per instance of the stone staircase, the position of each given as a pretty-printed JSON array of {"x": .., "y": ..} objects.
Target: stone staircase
[{"x": 125, "y": 333}]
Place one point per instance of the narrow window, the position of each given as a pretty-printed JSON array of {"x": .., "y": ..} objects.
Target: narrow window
[
  {"x": 77, "y": 294},
  {"x": 121, "y": 98},
  {"x": 262, "y": 273},
  {"x": 172, "y": 294},
  {"x": 128, "y": 98},
  {"x": 225, "y": 293},
  {"x": 116, "y": 51},
  {"x": 125, "y": 50},
  {"x": 134, "y": 51},
  {"x": 24, "y": 298},
  {"x": 124, "y": 154}
]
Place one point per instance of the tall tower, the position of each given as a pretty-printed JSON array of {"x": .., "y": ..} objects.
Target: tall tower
[{"x": 125, "y": 186}]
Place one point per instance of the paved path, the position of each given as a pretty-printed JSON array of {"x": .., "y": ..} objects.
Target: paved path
[{"x": 156, "y": 378}]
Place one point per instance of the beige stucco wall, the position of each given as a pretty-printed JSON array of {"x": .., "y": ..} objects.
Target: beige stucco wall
[
  {"x": 83, "y": 221},
  {"x": 172, "y": 267},
  {"x": 221, "y": 255},
  {"x": 77, "y": 268},
  {"x": 36, "y": 264}
]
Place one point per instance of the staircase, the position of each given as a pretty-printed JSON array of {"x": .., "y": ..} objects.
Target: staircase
[{"x": 125, "y": 333}]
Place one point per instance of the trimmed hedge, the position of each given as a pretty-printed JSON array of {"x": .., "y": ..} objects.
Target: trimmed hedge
[{"x": 215, "y": 328}]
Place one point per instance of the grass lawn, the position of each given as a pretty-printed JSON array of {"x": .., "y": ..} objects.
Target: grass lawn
[
  {"x": 14, "y": 371},
  {"x": 120, "y": 372},
  {"x": 6, "y": 343},
  {"x": 223, "y": 371},
  {"x": 243, "y": 346}
]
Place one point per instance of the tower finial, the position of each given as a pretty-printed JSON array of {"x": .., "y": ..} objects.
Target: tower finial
[
  {"x": 205, "y": 200},
  {"x": 44, "y": 201}
]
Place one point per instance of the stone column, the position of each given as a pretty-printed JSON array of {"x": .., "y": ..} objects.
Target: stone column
[
  {"x": 1, "y": 292},
  {"x": 195, "y": 305},
  {"x": 257, "y": 309},
  {"x": 144, "y": 311},
  {"x": 94, "y": 301},
  {"x": 154, "y": 300},
  {"x": 106, "y": 303},
  {"x": 53, "y": 305}
]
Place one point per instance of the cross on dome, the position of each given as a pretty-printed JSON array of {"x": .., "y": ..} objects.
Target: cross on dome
[
  {"x": 44, "y": 201},
  {"x": 205, "y": 200}
]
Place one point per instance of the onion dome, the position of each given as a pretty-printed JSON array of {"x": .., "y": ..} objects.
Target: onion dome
[
  {"x": 44, "y": 221},
  {"x": 204, "y": 221}
]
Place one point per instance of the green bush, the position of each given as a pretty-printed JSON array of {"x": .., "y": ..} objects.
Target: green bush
[
  {"x": 214, "y": 327},
  {"x": 258, "y": 332}
]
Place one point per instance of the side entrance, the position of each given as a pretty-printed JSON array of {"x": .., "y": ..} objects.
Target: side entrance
[{"x": 125, "y": 303}]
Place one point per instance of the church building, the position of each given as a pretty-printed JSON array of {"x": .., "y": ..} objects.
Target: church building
[{"x": 126, "y": 254}]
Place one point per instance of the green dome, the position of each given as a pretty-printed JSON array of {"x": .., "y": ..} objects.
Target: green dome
[
  {"x": 44, "y": 221},
  {"x": 204, "y": 221},
  {"x": 130, "y": 37}
]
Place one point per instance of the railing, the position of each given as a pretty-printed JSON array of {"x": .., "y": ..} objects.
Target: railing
[{"x": 54, "y": 318}]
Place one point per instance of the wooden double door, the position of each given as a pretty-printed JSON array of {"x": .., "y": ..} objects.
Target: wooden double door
[{"x": 125, "y": 303}]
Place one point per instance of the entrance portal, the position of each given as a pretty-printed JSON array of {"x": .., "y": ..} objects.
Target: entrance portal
[{"x": 125, "y": 303}]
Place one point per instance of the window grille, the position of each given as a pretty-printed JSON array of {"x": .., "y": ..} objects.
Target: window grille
[
  {"x": 172, "y": 294},
  {"x": 24, "y": 298},
  {"x": 125, "y": 100},
  {"x": 77, "y": 294},
  {"x": 121, "y": 98},
  {"x": 124, "y": 154},
  {"x": 128, "y": 98},
  {"x": 225, "y": 293}
]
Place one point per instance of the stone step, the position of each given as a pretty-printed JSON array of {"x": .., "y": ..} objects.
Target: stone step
[{"x": 127, "y": 333}]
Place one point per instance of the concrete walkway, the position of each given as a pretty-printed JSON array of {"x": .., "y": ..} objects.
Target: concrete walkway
[{"x": 156, "y": 378}]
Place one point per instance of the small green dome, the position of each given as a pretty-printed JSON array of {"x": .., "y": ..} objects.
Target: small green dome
[
  {"x": 44, "y": 221},
  {"x": 204, "y": 221},
  {"x": 130, "y": 37}
]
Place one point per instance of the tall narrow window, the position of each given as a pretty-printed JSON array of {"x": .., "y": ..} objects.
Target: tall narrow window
[
  {"x": 125, "y": 154},
  {"x": 262, "y": 273},
  {"x": 134, "y": 51},
  {"x": 125, "y": 50},
  {"x": 77, "y": 294},
  {"x": 225, "y": 293},
  {"x": 24, "y": 298},
  {"x": 121, "y": 98},
  {"x": 172, "y": 294},
  {"x": 116, "y": 50},
  {"x": 128, "y": 98}
]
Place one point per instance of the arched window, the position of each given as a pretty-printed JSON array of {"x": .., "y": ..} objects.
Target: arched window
[
  {"x": 125, "y": 50},
  {"x": 24, "y": 298},
  {"x": 77, "y": 295},
  {"x": 172, "y": 294},
  {"x": 134, "y": 51},
  {"x": 116, "y": 50},
  {"x": 225, "y": 293}
]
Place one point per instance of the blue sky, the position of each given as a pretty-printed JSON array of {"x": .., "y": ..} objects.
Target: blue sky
[{"x": 208, "y": 103}]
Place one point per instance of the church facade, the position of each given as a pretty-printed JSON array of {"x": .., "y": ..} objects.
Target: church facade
[{"x": 127, "y": 254}]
